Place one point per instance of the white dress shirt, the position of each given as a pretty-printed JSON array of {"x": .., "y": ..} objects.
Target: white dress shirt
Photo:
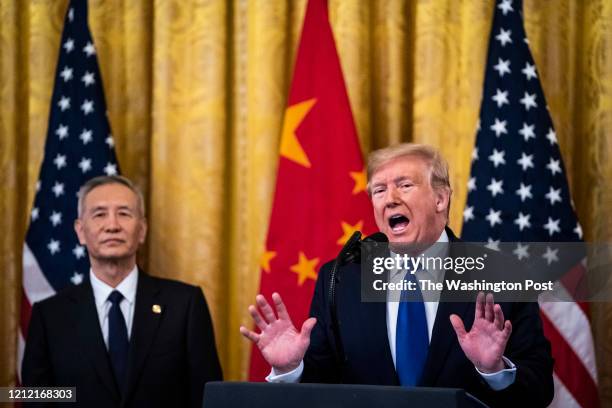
[
  {"x": 497, "y": 381},
  {"x": 431, "y": 308},
  {"x": 101, "y": 291}
]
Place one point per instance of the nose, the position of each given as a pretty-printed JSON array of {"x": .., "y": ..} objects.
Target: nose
[
  {"x": 392, "y": 197},
  {"x": 112, "y": 223}
]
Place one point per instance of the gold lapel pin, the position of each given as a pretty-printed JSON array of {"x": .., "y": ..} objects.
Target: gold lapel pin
[{"x": 156, "y": 309}]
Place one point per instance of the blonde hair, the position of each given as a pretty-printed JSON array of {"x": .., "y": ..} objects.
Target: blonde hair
[{"x": 438, "y": 176}]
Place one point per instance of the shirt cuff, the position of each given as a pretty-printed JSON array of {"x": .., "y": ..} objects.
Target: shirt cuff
[
  {"x": 500, "y": 379},
  {"x": 289, "y": 377}
]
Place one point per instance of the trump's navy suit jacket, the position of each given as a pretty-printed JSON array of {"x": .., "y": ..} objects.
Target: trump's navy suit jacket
[
  {"x": 368, "y": 357},
  {"x": 172, "y": 353}
]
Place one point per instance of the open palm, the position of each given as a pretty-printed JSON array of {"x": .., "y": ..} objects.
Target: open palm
[
  {"x": 486, "y": 341},
  {"x": 281, "y": 345}
]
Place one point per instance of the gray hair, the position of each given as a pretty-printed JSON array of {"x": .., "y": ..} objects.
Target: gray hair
[{"x": 105, "y": 180}]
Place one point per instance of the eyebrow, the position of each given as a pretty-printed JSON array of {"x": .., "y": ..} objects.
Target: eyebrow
[
  {"x": 399, "y": 179},
  {"x": 396, "y": 180},
  {"x": 104, "y": 207}
]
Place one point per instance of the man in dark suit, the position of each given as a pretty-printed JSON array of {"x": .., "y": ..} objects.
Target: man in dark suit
[
  {"x": 502, "y": 362},
  {"x": 122, "y": 338}
]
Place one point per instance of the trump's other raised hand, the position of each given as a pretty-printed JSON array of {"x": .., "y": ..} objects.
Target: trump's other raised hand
[
  {"x": 281, "y": 345},
  {"x": 486, "y": 341}
]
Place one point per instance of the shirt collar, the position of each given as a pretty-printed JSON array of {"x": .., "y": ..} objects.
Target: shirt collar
[
  {"x": 127, "y": 287},
  {"x": 432, "y": 251}
]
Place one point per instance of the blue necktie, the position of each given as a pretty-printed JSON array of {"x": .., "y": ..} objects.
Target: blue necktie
[
  {"x": 411, "y": 336},
  {"x": 118, "y": 343}
]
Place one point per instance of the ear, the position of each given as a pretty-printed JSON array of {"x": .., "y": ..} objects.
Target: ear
[
  {"x": 78, "y": 228},
  {"x": 142, "y": 235},
  {"x": 442, "y": 199}
]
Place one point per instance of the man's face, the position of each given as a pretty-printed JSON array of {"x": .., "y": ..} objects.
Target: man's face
[
  {"x": 111, "y": 225},
  {"x": 406, "y": 208}
]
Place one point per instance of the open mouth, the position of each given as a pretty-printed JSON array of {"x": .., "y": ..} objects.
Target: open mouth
[{"x": 398, "y": 223}]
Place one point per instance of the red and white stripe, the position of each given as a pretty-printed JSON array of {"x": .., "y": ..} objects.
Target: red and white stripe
[{"x": 567, "y": 327}]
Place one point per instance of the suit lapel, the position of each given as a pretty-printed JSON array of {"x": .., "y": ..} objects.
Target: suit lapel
[
  {"x": 442, "y": 338},
  {"x": 144, "y": 328},
  {"x": 443, "y": 335},
  {"x": 91, "y": 340},
  {"x": 363, "y": 326},
  {"x": 378, "y": 318},
  {"x": 371, "y": 324}
]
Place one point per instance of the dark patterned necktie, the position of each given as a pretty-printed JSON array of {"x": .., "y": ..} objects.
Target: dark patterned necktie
[{"x": 118, "y": 343}]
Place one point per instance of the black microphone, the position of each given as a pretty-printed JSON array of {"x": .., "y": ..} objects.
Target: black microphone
[
  {"x": 350, "y": 253},
  {"x": 377, "y": 237}
]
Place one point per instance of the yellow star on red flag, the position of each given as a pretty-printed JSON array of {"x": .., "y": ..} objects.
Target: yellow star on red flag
[
  {"x": 290, "y": 146},
  {"x": 348, "y": 230},
  {"x": 360, "y": 179},
  {"x": 305, "y": 268},
  {"x": 264, "y": 262},
  {"x": 320, "y": 164}
]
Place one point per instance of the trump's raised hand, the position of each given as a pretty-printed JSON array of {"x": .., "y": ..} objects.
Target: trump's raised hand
[
  {"x": 281, "y": 345},
  {"x": 486, "y": 341}
]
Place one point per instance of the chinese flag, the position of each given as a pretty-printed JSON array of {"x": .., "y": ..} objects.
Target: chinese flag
[{"x": 321, "y": 196}]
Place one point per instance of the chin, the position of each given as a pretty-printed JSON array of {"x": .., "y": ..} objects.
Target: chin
[{"x": 113, "y": 257}]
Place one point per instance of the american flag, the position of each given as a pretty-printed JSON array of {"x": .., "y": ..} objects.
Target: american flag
[
  {"x": 79, "y": 146},
  {"x": 518, "y": 192}
]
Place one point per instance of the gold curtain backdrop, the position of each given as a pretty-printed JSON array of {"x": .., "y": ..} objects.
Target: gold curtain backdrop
[{"x": 196, "y": 92}]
